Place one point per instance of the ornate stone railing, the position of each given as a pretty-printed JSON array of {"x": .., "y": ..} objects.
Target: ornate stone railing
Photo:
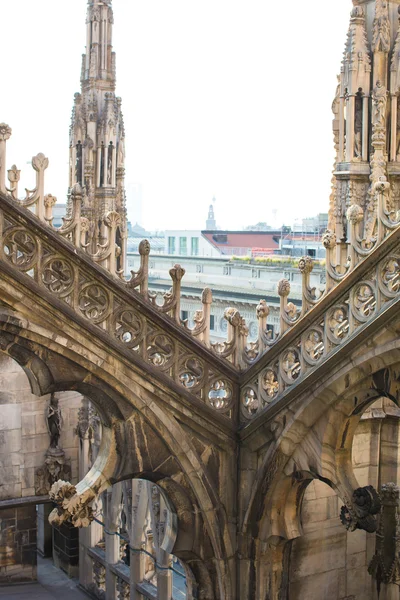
[
  {"x": 356, "y": 301},
  {"x": 31, "y": 251},
  {"x": 75, "y": 229}
]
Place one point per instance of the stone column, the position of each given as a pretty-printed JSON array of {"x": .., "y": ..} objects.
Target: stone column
[
  {"x": 105, "y": 162},
  {"x": 44, "y": 530},
  {"x": 112, "y": 512},
  {"x": 341, "y": 130},
  {"x": 350, "y": 129},
  {"x": 365, "y": 129},
  {"x": 384, "y": 566},
  {"x": 393, "y": 135},
  {"x": 98, "y": 173},
  {"x": 5, "y": 134}
]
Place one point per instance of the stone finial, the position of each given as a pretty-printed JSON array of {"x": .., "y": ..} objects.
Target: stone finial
[
  {"x": 329, "y": 239},
  {"x": 206, "y": 296},
  {"x": 355, "y": 214},
  {"x": 40, "y": 162},
  {"x": 306, "y": 264},
  {"x": 262, "y": 310},
  {"x": 76, "y": 190},
  {"x": 283, "y": 288},
  {"x": 177, "y": 272},
  {"x": 144, "y": 248},
  {"x": 232, "y": 315},
  {"x": 5, "y": 132}
]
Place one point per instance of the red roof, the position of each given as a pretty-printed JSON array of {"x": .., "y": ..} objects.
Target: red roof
[{"x": 243, "y": 239}]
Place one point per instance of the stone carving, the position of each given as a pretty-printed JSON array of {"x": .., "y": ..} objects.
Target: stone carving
[
  {"x": 290, "y": 365},
  {"x": 5, "y": 132},
  {"x": 364, "y": 300},
  {"x": 94, "y": 302},
  {"x": 385, "y": 565},
  {"x": 338, "y": 323},
  {"x": 160, "y": 350},
  {"x": 250, "y": 400},
  {"x": 54, "y": 421},
  {"x": 56, "y": 465},
  {"x": 58, "y": 276},
  {"x": 70, "y": 505},
  {"x": 379, "y": 100},
  {"x": 358, "y": 126},
  {"x": 20, "y": 248},
  {"x": 191, "y": 372},
  {"x": 220, "y": 395},
  {"x": 381, "y": 27},
  {"x": 128, "y": 327},
  {"x": 123, "y": 590},
  {"x": 313, "y": 344},
  {"x": 390, "y": 276},
  {"x": 270, "y": 383},
  {"x": 359, "y": 513}
]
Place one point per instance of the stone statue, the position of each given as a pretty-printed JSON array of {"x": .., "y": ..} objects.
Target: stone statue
[
  {"x": 121, "y": 152},
  {"x": 358, "y": 125},
  {"x": 398, "y": 131},
  {"x": 379, "y": 104},
  {"x": 109, "y": 163},
  {"x": 54, "y": 421}
]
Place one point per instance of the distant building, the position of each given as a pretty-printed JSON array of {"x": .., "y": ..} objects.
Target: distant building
[
  {"x": 184, "y": 242},
  {"x": 211, "y": 222},
  {"x": 59, "y": 211},
  {"x": 243, "y": 243},
  {"x": 316, "y": 225}
]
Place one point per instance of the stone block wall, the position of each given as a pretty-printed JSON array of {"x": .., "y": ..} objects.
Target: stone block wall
[
  {"x": 17, "y": 545},
  {"x": 24, "y": 438},
  {"x": 66, "y": 549},
  {"x": 327, "y": 561}
]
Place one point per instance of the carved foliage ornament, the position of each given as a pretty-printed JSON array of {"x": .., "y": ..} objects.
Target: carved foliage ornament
[
  {"x": 70, "y": 506},
  {"x": 269, "y": 383}
]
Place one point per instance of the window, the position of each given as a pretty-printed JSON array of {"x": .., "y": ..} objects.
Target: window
[
  {"x": 184, "y": 315},
  {"x": 311, "y": 252},
  {"x": 227, "y": 270},
  {"x": 195, "y": 246},
  {"x": 183, "y": 245},
  {"x": 220, "y": 238},
  {"x": 199, "y": 268},
  {"x": 212, "y": 322},
  {"x": 255, "y": 273},
  {"x": 171, "y": 245}
]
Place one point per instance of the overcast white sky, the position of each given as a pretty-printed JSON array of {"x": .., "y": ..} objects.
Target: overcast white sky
[{"x": 224, "y": 98}]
